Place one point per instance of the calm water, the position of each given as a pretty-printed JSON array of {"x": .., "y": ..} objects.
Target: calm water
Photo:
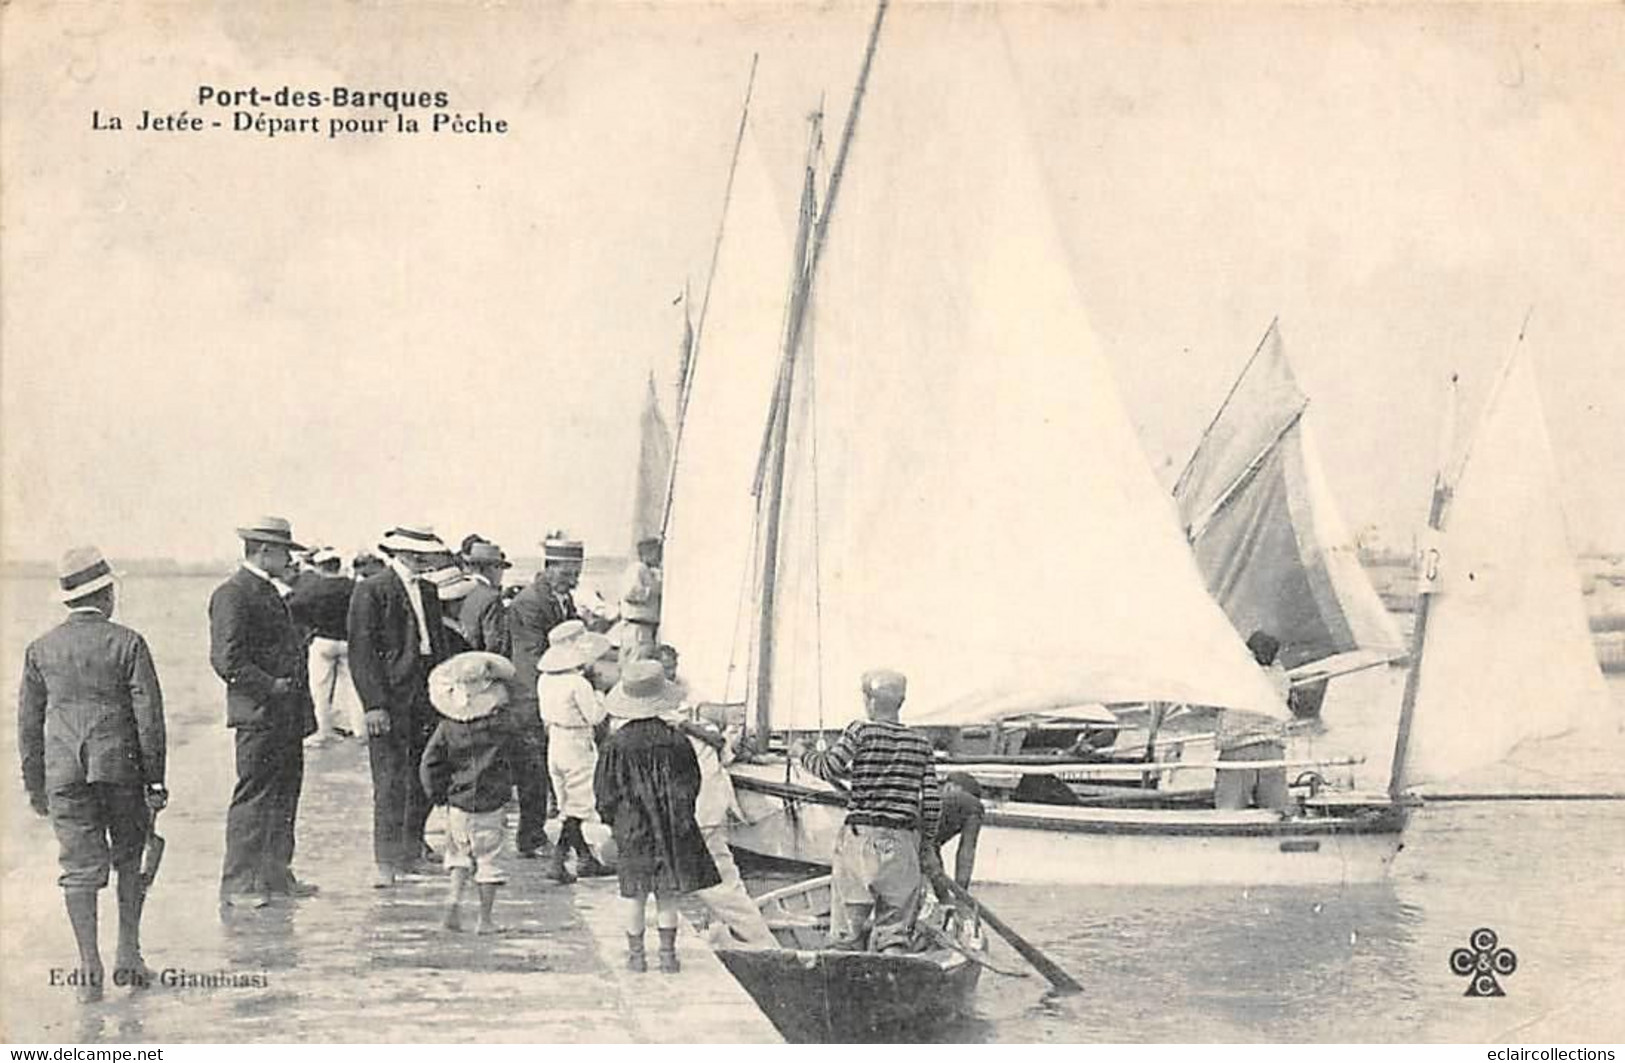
[{"x": 1362, "y": 964}]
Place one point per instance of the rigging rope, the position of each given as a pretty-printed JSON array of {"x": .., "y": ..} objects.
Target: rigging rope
[{"x": 685, "y": 385}]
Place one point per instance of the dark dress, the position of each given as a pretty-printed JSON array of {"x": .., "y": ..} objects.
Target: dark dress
[{"x": 645, "y": 786}]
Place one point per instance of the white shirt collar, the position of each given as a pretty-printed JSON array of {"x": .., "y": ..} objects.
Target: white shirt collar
[{"x": 249, "y": 566}]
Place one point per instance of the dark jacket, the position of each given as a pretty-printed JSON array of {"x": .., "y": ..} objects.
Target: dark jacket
[
  {"x": 484, "y": 621},
  {"x": 645, "y": 786},
  {"x": 385, "y": 662},
  {"x": 89, "y": 708},
  {"x": 253, "y": 643},
  {"x": 465, "y": 764},
  {"x": 533, "y": 613},
  {"x": 322, "y": 603}
]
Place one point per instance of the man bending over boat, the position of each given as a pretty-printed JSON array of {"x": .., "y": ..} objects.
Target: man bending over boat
[{"x": 893, "y": 803}]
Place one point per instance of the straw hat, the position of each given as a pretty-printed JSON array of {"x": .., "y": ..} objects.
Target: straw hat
[
  {"x": 412, "y": 539},
  {"x": 470, "y": 685},
  {"x": 643, "y": 692},
  {"x": 565, "y": 631},
  {"x": 323, "y": 555},
  {"x": 573, "y": 653},
  {"x": 275, "y": 530},
  {"x": 83, "y": 571},
  {"x": 560, "y": 548},
  {"x": 451, "y": 583}
]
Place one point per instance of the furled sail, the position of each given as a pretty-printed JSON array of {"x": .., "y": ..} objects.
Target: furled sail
[
  {"x": 710, "y": 537},
  {"x": 1507, "y": 655},
  {"x": 1267, "y": 533},
  {"x": 654, "y": 467},
  {"x": 955, "y": 432}
]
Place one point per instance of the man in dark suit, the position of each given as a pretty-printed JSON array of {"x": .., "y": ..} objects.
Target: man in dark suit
[
  {"x": 255, "y": 647},
  {"x": 484, "y": 618},
  {"x": 90, "y": 728},
  {"x": 536, "y": 610},
  {"x": 397, "y": 636}
]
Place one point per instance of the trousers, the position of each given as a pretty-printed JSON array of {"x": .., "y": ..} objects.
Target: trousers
[
  {"x": 1251, "y": 787},
  {"x": 337, "y": 705},
  {"x": 99, "y": 826},
  {"x": 400, "y": 808},
  {"x": 264, "y": 809},
  {"x": 877, "y": 887},
  {"x": 728, "y": 900},
  {"x": 530, "y": 777}
]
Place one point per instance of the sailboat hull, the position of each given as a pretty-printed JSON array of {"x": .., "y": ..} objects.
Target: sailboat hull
[{"x": 1032, "y": 844}]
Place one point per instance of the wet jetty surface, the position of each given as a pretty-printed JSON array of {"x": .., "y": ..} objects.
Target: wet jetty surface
[{"x": 353, "y": 964}]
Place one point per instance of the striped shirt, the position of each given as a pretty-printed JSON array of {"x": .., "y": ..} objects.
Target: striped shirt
[{"x": 891, "y": 773}]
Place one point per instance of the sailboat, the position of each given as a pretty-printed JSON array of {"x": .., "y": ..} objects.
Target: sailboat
[
  {"x": 1269, "y": 539},
  {"x": 913, "y": 473},
  {"x": 941, "y": 428}
]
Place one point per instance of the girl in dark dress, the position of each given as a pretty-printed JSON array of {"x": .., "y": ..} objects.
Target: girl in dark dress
[{"x": 645, "y": 788}]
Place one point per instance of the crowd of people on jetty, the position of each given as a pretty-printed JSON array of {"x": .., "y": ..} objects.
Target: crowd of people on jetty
[{"x": 470, "y": 696}]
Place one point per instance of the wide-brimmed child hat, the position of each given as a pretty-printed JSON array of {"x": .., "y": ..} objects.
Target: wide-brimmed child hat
[
  {"x": 644, "y": 692},
  {"x": 83, "y": 571},
  {"x": 572, "y": 653},
  {"x": 470, "y": 685}
]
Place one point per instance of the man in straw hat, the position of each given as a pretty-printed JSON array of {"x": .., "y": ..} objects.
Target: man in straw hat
[
  {"x": 90, "y": 728},
  {"x": 255, "y": 648},
  {"x": 397, "y": 636},
  {"x": 543, "y": 605},
  {"x": 894, "y": 802},
  {"x": 645, "y": 788},
  {"x": 484, "y": 619}
]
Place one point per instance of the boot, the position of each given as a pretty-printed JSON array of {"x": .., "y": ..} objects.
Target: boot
[
  {"x": 555, "y": 866},
  {"x": 587, "y": 865},
  {"x": 129, "y": 969},
  {"x": 668, "y": 950},
  {"x": 635, "y": 959},
  {"x": 81, "y": 905}
]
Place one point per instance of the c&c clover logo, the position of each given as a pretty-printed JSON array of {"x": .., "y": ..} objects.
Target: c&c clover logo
[{"x": 1482, "y": 961}]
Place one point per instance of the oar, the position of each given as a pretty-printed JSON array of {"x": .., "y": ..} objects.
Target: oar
[{"x": 1063, "y": 982}]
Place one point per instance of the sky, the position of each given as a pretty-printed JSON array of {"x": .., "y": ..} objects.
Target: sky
[{"x": 199, "y": 328}]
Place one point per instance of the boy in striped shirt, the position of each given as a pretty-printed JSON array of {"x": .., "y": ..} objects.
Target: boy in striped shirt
[{"x": 893, "y": 804}]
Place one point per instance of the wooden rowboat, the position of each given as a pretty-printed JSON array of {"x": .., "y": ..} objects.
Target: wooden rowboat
[{"x": 814, "y": 994}]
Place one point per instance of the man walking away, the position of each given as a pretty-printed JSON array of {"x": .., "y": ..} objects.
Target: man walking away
[
  {"x": 322, "y": 603},
  {"x": 396, "y": 638},
  {"x": 894, "y": 802},
  {"x": 90, "y": 728},
  {"x": 255, "y": 648}
]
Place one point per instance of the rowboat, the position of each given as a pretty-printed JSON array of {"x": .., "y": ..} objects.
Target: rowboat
[{"x": 814, "y": 994}]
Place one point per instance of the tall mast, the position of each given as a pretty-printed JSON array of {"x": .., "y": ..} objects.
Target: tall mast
[
  {"x": 1427, "y": 577},
  {"x": 810, "y": 238},
  {"x": 771, "y": 472}
]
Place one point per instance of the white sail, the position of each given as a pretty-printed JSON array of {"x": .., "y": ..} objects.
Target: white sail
[
  {"x": 1508, "y": 655},
  {"x": 709, "y": 554},
  {"x": 966, "y": 499}
]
